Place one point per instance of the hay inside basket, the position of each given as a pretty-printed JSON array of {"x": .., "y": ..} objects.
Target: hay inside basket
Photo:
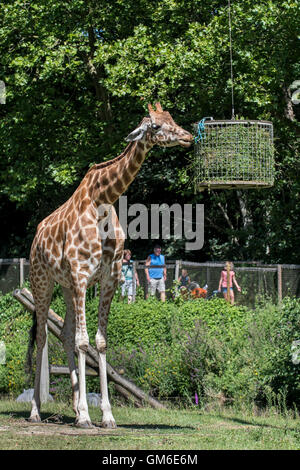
[{"x": 232, "y": 154}]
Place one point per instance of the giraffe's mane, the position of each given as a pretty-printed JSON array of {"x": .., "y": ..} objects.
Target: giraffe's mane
[{"x": 99, "y": 166}]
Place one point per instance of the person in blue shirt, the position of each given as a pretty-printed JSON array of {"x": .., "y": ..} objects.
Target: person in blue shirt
[{"x": 156, "y": 277}]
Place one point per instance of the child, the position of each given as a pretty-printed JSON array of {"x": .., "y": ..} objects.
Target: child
[
  {"x": 130, "y": 282},
  {"x": 223, "y": 285},
  {"x": 184, "y": 279}
]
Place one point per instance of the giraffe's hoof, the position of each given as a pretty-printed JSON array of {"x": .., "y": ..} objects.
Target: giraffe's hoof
[
  {"x": 109, "y": 424},
  {"x": 34, "y": 419},
  {"x": 83, "y": 424}
]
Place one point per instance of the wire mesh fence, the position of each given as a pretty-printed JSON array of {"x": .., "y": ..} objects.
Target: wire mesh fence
[
  {"x": 255, "y": 279},
  {"x": 13, "y": 272}
]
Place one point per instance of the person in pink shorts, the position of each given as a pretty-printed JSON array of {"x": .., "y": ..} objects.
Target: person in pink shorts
[{"x": 223, "y": 283}]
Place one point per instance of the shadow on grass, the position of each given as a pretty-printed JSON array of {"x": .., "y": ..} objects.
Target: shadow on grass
[
  {"x": 158, "y": 427},
  {"x": 54, "y": 418},
  {"x": 64, "y": 419},
  {"x": 255, "y": 424}
]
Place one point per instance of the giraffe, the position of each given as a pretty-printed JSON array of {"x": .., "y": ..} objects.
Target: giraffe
[{"x": 82, "y": 243}]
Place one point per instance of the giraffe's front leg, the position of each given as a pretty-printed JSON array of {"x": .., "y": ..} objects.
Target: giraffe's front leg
[
  {"x": 81, "y": 344},
  {"x": 107, "y": 291},
  {"x": 108, "y": 420}
]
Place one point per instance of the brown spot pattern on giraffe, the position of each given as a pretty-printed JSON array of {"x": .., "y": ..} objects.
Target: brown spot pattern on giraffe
[{"x": 67, "y": 247}]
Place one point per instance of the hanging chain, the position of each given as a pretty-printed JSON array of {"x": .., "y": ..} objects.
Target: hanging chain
[{"x": 231, "y": 66}]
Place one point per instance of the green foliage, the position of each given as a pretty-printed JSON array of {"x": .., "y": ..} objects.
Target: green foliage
[
  {"x": 174, "y": 350},
  {"x": 216, "y": 349},
  {"x": 147, "y": 322},
  {"x": 78, "y": 78},
  {"x": 15, "y": 323}
]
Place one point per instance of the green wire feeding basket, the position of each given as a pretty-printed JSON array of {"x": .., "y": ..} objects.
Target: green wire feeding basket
[{"x": 233, "y": 154}]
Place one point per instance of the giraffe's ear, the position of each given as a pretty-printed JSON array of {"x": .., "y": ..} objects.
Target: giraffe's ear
[
  {"x": 138, "y": 133},
  {"x": 158, "y": 107}
]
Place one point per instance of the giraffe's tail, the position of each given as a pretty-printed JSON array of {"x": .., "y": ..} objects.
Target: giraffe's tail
[{"x": 30, "y": 349}]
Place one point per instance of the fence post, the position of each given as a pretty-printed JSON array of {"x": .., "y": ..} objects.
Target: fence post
[
  {"x": 279, "y": 282},
  {"x": 146, "y": 290},
  {"x": 228, "y": 281},
  {"x": 22, "y": 261},
  {"x": 134, "y": 286},
  {"x": 96, "y": 290},
  {"x": 177, "y": 268}
]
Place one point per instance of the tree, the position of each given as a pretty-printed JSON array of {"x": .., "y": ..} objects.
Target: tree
[{"x": 79, "y": 76}]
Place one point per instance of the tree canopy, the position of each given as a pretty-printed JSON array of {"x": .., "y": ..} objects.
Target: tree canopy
[{"x": 79, "y": 75}]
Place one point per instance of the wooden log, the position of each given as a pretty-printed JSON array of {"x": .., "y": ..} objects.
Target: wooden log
[
  {"x": 64, "y": 370},
  {"x": 128, "y": 395},
  {"x": 55, "y": 324}
]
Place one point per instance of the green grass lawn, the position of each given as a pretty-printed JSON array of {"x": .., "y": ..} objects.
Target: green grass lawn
[{"x": 147, "y": 429}]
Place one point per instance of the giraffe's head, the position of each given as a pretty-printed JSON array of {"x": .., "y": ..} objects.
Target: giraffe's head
[{"x": 160, "y": 128}]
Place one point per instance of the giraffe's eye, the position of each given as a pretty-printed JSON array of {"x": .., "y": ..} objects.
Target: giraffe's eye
[{"x": 155, "y": 127}]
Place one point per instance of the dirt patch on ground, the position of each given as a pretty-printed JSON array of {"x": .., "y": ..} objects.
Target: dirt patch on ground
[{"x": 47, "y": 428}]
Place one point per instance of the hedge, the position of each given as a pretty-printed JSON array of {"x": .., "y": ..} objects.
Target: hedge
[{"x": 178, "y": 348}]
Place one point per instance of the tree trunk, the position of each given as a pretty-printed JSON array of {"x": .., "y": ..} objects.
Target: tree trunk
[
  {"x": 245, "y": 213},
  {"x": 97, "y": 75},
  {"x": 288, "y": 109}
]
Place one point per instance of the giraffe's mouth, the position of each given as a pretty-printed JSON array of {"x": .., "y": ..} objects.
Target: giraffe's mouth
[{"x": 185, "y": 143}]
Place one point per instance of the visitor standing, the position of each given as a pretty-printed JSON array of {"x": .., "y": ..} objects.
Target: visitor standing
[
  {"x": 130, "y": 279},
  {"x": 156, "y": 277},
  {"x": 228, "y": 277}
]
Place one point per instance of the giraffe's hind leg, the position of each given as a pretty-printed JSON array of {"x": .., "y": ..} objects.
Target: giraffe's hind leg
[
  {"x": 80, "y": 341},
  {"x": 42, "y": 293}
]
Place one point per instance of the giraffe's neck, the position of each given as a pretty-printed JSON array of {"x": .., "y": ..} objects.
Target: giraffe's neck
[{"x": 109, "y": 181}]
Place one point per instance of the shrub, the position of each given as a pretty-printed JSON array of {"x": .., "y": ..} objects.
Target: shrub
[
  {"x": 15, "y": 323},
  {"x": 143, "y": 322},
  {"x": 271, "y": 331},
  {"x": 176, "y": 349}
]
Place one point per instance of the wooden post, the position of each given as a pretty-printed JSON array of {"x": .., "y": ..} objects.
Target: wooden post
[
  {"x": 228, "y": 281},
  {"x": 146, "y": 290},
  {"x": 279, "y": 282},
  {"x": 207, "y": 281},
  {"x": 134, "y": 286},
  {"x": 22, "y": 261},
  {"x": 96, "y": 290},
  {"x": 177, "y": 268}
]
